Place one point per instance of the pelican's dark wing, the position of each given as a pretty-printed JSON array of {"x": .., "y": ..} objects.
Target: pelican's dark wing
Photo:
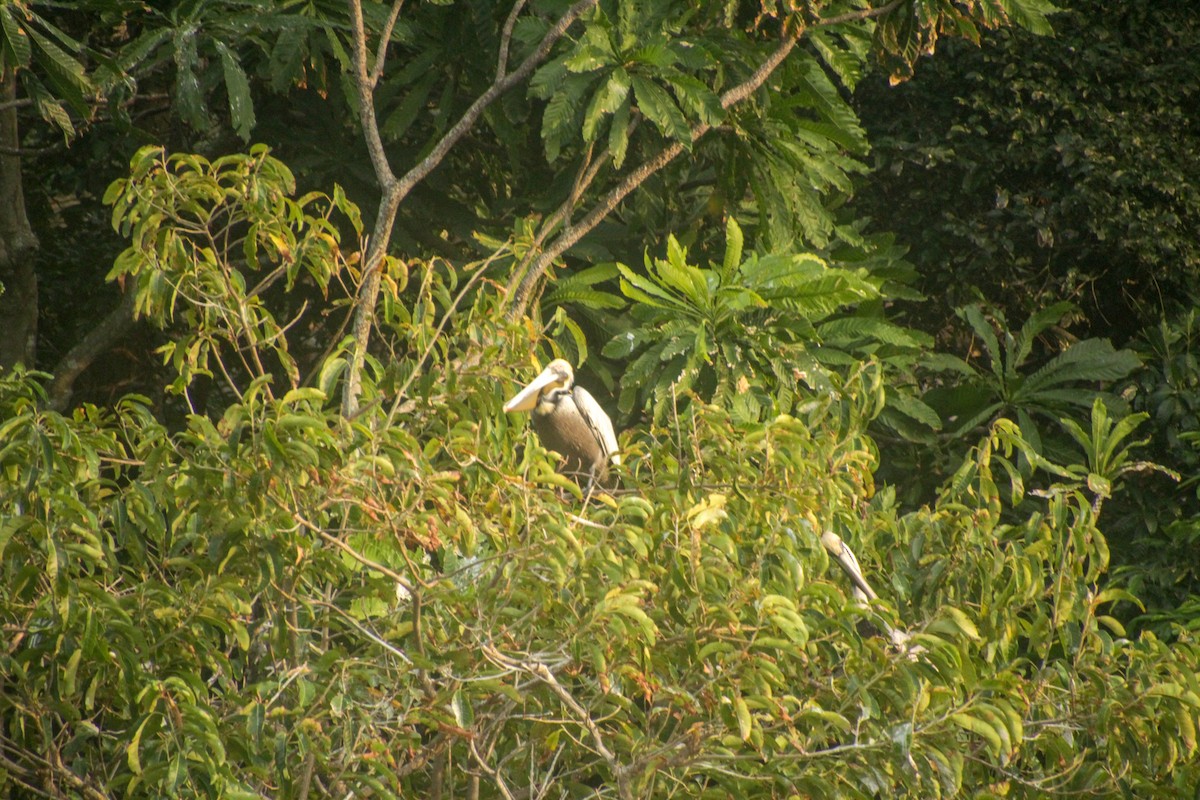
[{"x": 599, "y": 423}]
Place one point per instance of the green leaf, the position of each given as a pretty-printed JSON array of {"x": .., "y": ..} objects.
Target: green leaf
[
  {"x": 241, "y": 106},
  {"x": 697, "y": 99},
  {"x": 611, "y": 96},
  {"x": 983, "y": 329},
  {"x": 65, "y": 73},
  {"x": 558, "y": 121},
  {"x": 744, "y": 720},
  {"x": 1088, "y": 360},
  {"x": 978, "y": 726},
  {"x": 733, "y": 248},
  {"x": 659, "y": 108},
  {"x": 1033, "y": 327},
  {"x": 1031, "y": 14},
  {"x": 655, "y": 54},
  {"x": 618, "y": 134},
  {"x": 19, "y": 50},
  {"x": 188, "y": 96},
  {"x": 133, "y": 749},
  {"x": 586, "y": 59},
  {"x": 49, "y": 108},
  {"x": 645, "y": 290}
]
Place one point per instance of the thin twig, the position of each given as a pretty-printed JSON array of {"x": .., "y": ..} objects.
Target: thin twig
[
  {"x": 357, "y": 556},
  {"x": 540, "y": 671},
  {"x": 491, "y": 772},
  {"x": 506, "y": 38},
  {"x": 384, "y": 37}
]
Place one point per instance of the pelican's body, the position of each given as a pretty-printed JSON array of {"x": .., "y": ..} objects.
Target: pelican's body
[{"x": 570, "y": 422}]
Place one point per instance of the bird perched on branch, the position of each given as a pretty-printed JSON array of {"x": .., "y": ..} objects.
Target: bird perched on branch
[
  {"x": 570, "y": 422},
  {"x": 863, "y": 592}
]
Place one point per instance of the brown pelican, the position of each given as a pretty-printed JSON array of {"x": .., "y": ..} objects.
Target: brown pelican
[
  {"x": 863, "y": 592},
  {"x": 570, "y": 422}
]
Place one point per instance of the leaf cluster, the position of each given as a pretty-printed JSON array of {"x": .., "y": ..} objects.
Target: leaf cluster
[
  {"x": 746, "y": 333},
  {"x": 208, "y": 239}
]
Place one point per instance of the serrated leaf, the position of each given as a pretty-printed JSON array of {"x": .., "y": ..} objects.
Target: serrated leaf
[
  {"x": 49, "y": 108},
  {"x": 409, "y": 110},
  {"x": 188, "y": 97},
  {"x": 585, "y": 59},
  {"x": 64, "y": 72},
  {"x": 697, "y": 99},
  {"x": 914, "y": 408},
  {"x": 1032, "y": 15},
  {"x": 618, "y": 134},
  {"x": 1088, "y": 360}
]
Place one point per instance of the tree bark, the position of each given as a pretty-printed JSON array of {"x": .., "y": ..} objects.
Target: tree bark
[
  {"x": 19, "y": 298},
  {"x": 97, "y": 342}
]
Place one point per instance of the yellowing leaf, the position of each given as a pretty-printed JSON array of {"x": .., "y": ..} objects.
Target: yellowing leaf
[{"x": 707, "y": 512}]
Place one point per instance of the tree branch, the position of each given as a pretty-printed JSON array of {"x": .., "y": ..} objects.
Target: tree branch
[
  {"x": 857, "y": 16},
  {"x": 506, "y": 38},
  {"x": 395, "y": 190},
  {"x": 521, "y": 286},
  {"x": 384, "y": 38},
  {"x": 97, "y": 341},
  {"x": 540, "y": 671}
]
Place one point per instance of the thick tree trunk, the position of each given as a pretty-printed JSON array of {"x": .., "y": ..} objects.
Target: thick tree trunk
[{"x": 19, "y": 300}]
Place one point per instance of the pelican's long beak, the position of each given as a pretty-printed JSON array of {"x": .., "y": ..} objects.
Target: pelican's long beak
[{"x": 526, "y": 399}]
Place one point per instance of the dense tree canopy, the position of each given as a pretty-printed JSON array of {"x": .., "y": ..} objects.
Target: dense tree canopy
[
  {"x": 265, "y": 530},
  {"x": 1035, "y": 170},
  {"x": 1038, "y": 169}
]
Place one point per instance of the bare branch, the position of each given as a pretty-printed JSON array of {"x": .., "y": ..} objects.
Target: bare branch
[
  {"x": 97, "y": 341},
  {"x": 472, "y": 114},
  {"x": 856, "y": 16},
  {"x": 506, "y": 38},
  {"x": 29, "y": 151},
  {"x": 491, "y": 772},
  {"x": 384, "y": 37},
  {"x": 21, "y": 102},
  {"x": 366, "y": 99},
  {"x": 588, "y": 170},
  {"x": 395, "y": 190},
  {"x": 540, "y": 671}
]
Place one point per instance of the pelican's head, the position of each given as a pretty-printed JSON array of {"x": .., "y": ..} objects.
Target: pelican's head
[{"x": 557, "y": 375}]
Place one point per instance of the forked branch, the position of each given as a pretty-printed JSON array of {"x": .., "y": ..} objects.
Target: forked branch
[{"x": 394, "y": 189}]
